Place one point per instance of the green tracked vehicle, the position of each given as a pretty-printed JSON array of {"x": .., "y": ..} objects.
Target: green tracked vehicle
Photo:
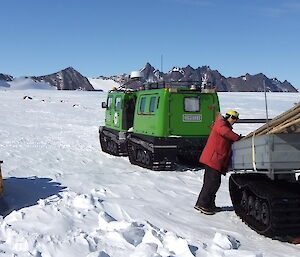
[
  {"x": 157, "y": 128},
  {"x": 119, "y": 116}
]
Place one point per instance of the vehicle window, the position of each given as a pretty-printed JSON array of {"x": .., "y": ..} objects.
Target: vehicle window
[
  {"x": 152, "y": 104},
  {"x": 118, "y": 103},
  {"x": 191, "y": 104},
  {"x": 142, "y": 105},
  {"x": 109, "y": 102}
]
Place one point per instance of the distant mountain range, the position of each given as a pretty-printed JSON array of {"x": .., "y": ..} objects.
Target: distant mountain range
[
  {"x": 245, "y": 83},
  {"x": 66, "y": 79},
  {"x": 70, "y": 79}
]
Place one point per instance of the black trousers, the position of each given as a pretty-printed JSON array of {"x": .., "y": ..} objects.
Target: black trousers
[{"x": 211, "y": 184}]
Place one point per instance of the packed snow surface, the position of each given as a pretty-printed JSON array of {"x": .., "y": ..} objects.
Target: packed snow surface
[
  {"x": 24, "y": 83},
  {"x": 68, "y": 198},
  {"x": 103, "y": 84}
]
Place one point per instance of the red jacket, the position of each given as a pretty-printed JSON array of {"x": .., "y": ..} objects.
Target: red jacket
[{"x": 217, "y": 151}]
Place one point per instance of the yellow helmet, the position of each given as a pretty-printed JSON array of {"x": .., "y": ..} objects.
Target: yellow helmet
[{"x": 233, "y": 113}]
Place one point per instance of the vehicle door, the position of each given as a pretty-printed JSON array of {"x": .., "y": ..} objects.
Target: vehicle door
[{"x": 191, "y": 114}]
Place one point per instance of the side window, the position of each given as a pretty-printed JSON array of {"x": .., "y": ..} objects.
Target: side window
[
  {"x": 191, "y": 104},
  {"x": 142, "y": 104},
  {"x": 109, "y": 102},
  {"x": 118, "y": 103},
  {"x": 152, "y": 104}
]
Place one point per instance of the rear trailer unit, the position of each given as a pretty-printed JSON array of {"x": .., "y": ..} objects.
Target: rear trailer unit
[{"x": 265, "y": 190}]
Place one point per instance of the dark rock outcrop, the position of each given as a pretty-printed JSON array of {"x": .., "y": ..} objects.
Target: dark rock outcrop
[
  {"x": 67, "y": 79},
  {"x": 256, "y": 83},
  {"x": 6, "y": 77}
]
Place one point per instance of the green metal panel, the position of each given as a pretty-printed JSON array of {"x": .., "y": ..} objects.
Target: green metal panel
[
  {"x": 114, "y": 113},
  {"x": 151, "y": 112},
  {"x": 192, "y": 113},
  {"x": 170, "y": 117}
]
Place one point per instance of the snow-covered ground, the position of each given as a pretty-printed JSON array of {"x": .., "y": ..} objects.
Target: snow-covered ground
[
  {"x": 24, "y": 83},
  {"x": 68, "y": 198},
  {"x": 104, "y": 84}
]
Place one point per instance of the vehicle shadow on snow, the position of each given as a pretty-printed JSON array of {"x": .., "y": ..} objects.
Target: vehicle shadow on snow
[
  {"x": 25, "y": 192},
  {"x": 227, "y": 208},
  {"x": 184, "y": 168}
]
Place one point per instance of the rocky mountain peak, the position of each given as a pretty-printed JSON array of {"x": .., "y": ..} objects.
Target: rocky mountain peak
[
  {"x": 150, "y": 73},
  {"x": 188, "y": 68},
  {"x": 67, "y": 79},
  {"x": 6, "y": 77},
  {"x": 148, "y": 66},
  {"x": 69, "y": 69}
]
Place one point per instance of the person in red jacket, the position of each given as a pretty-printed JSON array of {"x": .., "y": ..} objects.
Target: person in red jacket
[{"x": 216, "y": 158}]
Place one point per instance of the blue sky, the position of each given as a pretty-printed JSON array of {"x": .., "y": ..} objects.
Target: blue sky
[{"x": 39, "y": 37}]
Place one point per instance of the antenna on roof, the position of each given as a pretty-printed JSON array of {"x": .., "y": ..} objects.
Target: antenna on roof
[
  {"x": 161, "y": 63},
  {"x": 266, "y": 103}
]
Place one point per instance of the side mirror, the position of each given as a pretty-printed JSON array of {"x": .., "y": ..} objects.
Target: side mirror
[{"x": 104, "y": 105}]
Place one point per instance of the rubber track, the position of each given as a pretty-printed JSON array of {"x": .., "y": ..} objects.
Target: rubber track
[
  {"x": 282, "y": 198},
  {"x": 154, "y": 164},
  {"x": 105, "y": 141}
]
